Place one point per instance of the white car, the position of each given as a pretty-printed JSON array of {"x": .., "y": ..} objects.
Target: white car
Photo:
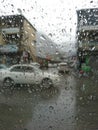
[
  {"x": 63, "y": 67},
  {"x": 27, "y": 74},
  {"x": 35, "y": 64}
]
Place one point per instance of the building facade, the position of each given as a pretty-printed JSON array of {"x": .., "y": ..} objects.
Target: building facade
[
  {"x": 87, "y": 29},
  {"x": 87, "y": 36},
  {"x": 17, "y": 30}
]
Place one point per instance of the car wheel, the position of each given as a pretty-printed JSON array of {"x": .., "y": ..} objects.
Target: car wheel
[
  {"x": 8, "y": 82},
  {"x": 46, "y": 83}
]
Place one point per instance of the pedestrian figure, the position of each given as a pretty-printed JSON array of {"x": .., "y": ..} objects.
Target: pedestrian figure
[
  {"x": 25, "y": 56},
  {"x": 4, "y": 59},
  {"x": 28, "y": 57},
  {"x": 18, "y": 59}
]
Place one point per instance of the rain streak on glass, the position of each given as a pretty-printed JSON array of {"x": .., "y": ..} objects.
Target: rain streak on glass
[{"x": 48, "y": 65}]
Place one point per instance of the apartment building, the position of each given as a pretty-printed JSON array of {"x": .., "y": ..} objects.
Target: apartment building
[
  {"x": 87, "y": 34},
  {"x": 17, "y": 31},
  {"x": 87, "y": 29}
]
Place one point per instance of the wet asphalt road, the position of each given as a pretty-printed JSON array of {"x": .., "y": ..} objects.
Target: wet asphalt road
[{"x": 72, "y": 105}]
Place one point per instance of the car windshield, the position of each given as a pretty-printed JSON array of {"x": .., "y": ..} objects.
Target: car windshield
[{"x": 48, "y": 64}]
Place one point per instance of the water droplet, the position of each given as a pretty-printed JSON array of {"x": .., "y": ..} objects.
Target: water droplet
[
  {"x": 19, "y": 11},
  {"x": 42, "y": 37},
  {"x": 91, "y": 1},
  {"x": 51, "y": 107},
  {"x": 50, "y": 34},
  {"x": 2, "y": 1},
  {"x": 50, "y": 127}
]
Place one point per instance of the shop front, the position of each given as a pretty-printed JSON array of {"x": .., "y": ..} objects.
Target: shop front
[{"x": 9, "y": 54}]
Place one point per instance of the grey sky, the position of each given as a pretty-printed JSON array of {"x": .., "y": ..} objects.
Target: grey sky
[{"x": 56, "y": 18}]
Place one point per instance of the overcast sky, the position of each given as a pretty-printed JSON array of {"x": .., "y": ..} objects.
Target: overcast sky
[{"x": 56, "y": 18}]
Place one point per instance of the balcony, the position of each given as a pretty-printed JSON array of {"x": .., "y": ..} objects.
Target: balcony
[
  {"x": 10, "y": 30},
  {"x": 88, "y": 28}
]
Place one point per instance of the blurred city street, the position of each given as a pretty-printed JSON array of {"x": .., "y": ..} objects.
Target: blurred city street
[
  {"x": 53, "y": 45},
  {"x": 71, "y": 105}
]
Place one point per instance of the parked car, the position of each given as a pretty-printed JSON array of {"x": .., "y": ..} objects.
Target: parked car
[
  {"x": 35, "y": 64},
  {"x": 27, "y": 74},
  {"x": 3, "y": 66},
  {"x": 63, "y": 67}
]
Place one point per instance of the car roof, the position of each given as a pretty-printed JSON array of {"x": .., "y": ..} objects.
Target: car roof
[
  {"x": 62, "y": 63},
  {"x": 22, "y": 65},
  {"x": 34, "y": 63}
]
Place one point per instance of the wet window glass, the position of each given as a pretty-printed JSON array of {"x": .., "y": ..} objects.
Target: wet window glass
[{"x": 48, "y": 65}]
